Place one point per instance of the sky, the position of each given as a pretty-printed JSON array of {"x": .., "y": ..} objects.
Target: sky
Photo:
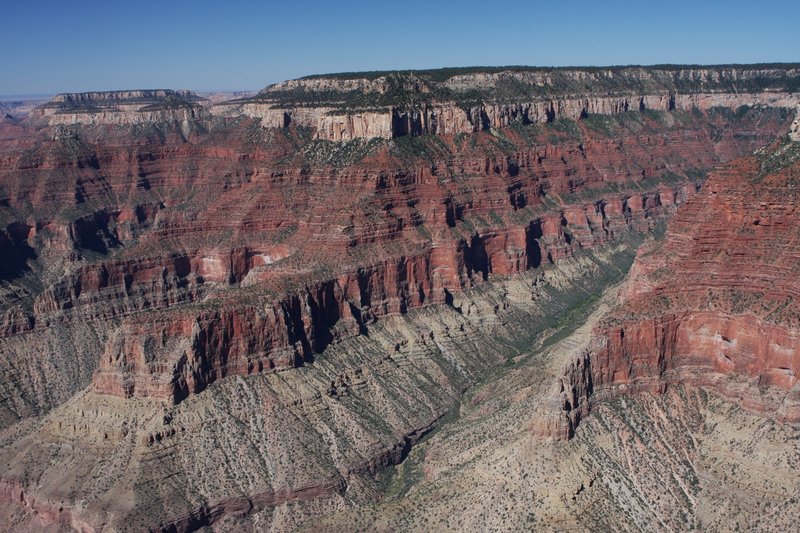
[{"x": 56, "y": 46}]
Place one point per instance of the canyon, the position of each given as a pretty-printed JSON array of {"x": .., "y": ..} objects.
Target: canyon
[
  {"x": 673, "y": 406},
  {"x": 363, "y": 299}
]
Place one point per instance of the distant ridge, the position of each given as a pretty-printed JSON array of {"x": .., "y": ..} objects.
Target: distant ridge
[{"x": 444, "y": 73}]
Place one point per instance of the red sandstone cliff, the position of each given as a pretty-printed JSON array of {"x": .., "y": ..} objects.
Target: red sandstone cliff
[
  {"x": 716, "y": 304},
  {"x": 444, "y": 219}
]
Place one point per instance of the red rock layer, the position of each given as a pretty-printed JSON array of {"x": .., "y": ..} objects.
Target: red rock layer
[
  {"x": 180, "y": 353},
  {"x": 717, "y": 304},
  {"x": 115, "y": 222}
]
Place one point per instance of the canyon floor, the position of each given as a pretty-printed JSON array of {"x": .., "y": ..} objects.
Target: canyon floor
[{"x": 683, "y": 460}]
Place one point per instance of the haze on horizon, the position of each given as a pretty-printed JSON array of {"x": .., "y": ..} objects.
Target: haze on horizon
[{"x": 50, "y": 46}]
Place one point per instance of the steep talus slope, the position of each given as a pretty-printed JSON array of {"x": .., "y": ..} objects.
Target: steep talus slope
[
  {"x": 276, "y": 449},
  {"x": 211, "y": 319},
  {"x": 682, "y": 460}
]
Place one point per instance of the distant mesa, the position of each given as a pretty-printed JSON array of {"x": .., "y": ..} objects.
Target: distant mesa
[
  {"x": 114, "y": 99},
  {"x": 119, "y": 107},
  {"x": 217, "y": 97},
  {"x": 20, "y": 107}
]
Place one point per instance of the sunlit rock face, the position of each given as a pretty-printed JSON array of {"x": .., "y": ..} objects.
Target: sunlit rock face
[
  {"x": 289, "y": 293},
  {"x": 715, "y": 304},
  {"x": 390, "y": 105}
]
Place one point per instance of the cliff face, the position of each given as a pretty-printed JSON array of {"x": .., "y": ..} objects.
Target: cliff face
[
  {"x": 314, "y": 436},
  {"x": 119, "y": 108},
  {"x": 183, "y": 356},
  {"x": 449, "y": 119},
  {"x": 794, "y": 131},
  {"x": 689, "y": 374},
  {"x": 180, "y": 282},
  {"x": 347, "y": 107},
  {"x": 714, "y": 305}
]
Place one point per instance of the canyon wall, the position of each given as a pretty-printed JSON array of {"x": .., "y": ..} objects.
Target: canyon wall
[
  {"x": 204, "y": 318},
  {"x": 389, "y": 105},
  {"x": 444, "y": 222},
  {"x": 715, "y": 304},
  {"x": 180, "y": 354},
  {"x": 451, "y": 119}
]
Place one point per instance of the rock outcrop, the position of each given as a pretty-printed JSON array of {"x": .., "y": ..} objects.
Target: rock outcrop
[
  {"x": 714, "y": 305},
  {"x": 119, "y": 108},
  {"x": 794, "y": 131},
  {"x": 450, "y": 119},
  {"x": 347, "y": 107},
  {"x": 182, "y": 353},
  {"x": 444, "y": 222}
]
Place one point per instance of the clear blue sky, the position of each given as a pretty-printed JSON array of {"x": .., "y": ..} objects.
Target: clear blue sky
[{"x": 55, "y": 46}]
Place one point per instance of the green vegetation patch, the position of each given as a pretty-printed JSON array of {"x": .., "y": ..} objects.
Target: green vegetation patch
[{"x": 771, "y": 161}]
